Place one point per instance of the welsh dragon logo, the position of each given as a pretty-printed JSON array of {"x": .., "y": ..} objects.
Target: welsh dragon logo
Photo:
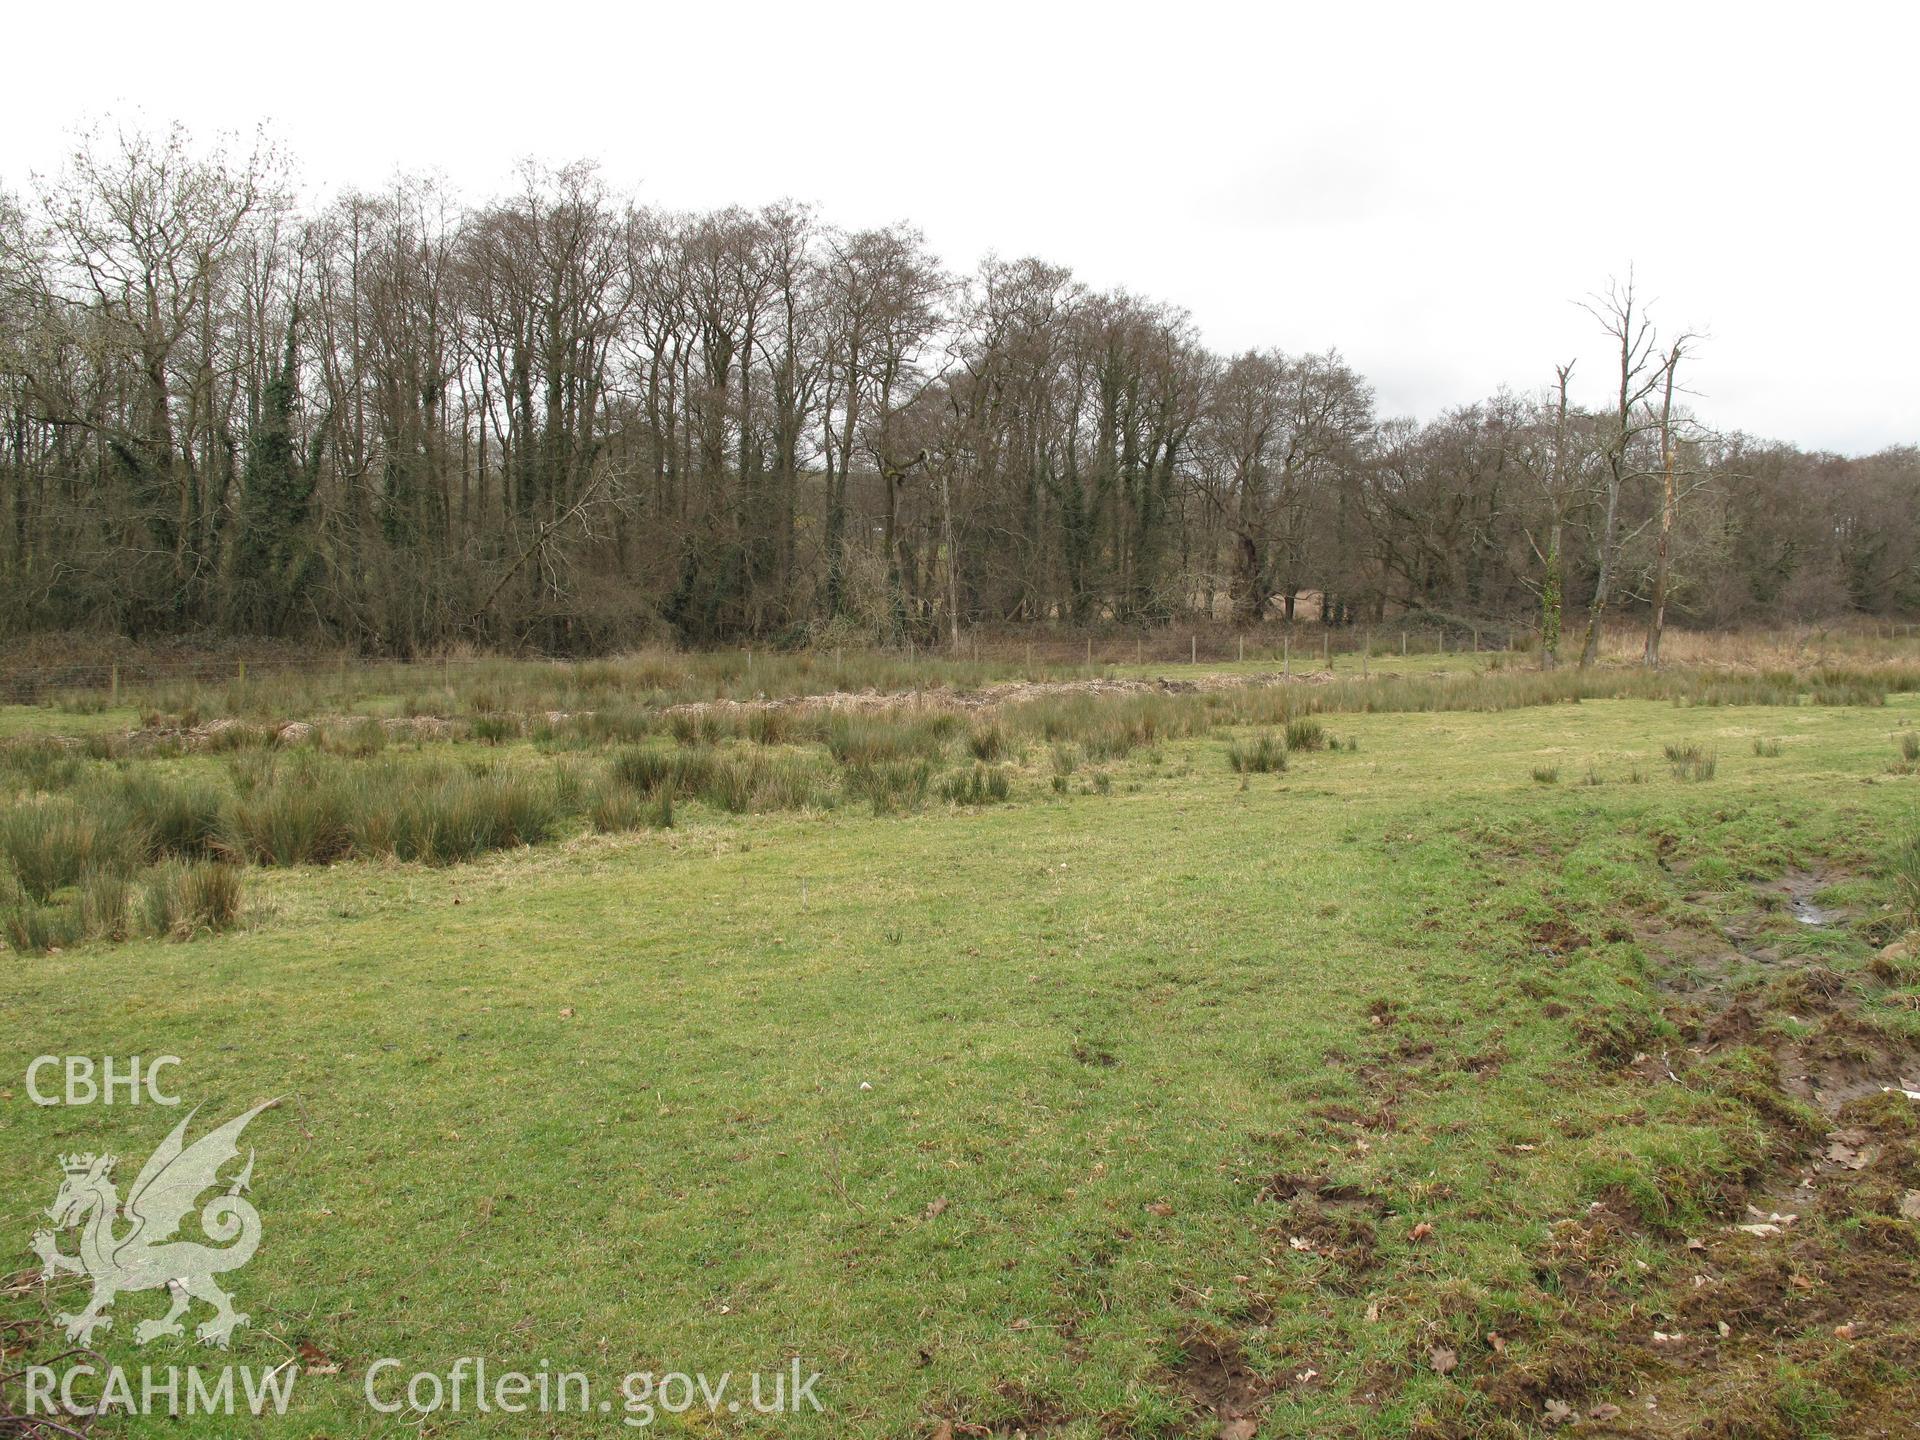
[{"x": 145, "y": 1255}]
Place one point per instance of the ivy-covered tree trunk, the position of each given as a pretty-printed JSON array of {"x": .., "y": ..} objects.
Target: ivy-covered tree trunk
[{"x": 270, "y": 554}]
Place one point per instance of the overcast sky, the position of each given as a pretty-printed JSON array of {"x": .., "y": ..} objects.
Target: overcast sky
[{"x": 1429, "y": 188}]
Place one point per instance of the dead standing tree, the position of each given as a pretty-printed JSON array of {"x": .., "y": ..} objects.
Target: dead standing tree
[
  {"x": 1671, "y": 496},
  {"x": 1623, "y": 317}
]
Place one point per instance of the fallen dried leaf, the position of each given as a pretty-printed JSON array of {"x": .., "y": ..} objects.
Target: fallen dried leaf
[
  {"x": 1558, "y": 1412},
  {"x": 566, "y": 1012},
  {"x": 1910, "y": 1205},
  {"x": 1444, "y": 1360},
  {"x": 1160, "y": 1208},
  {"x": 1421, "y": 1231},
  {"x": 1498, "y": 1343},
  {"x": 1239, "y": 1430},
  {"x": 1604, "y": 1412},
  {"x": 936, "y": 1208},
  {"x": 315, "y": 1361},
  {"x": 1846, "y": 1331}
]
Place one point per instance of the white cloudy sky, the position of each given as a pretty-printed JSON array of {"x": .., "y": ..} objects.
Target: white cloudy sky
[{"x": 1427, "y": 187}]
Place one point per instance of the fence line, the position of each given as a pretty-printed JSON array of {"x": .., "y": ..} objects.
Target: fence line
[{"x": 1306, "y": 647}]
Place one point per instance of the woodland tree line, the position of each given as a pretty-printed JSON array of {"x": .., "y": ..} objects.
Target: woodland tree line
[{"x": 564, "y": 421}]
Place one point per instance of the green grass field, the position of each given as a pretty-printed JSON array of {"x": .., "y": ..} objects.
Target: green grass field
[{"x": 1161, "y": 1101}]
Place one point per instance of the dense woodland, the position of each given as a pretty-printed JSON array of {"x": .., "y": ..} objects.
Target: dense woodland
[{"x": 562, "y": 421}]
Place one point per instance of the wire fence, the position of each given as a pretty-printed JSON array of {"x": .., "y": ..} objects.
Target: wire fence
[
  {"x": 125, "y": 680},
  {"x": 1275, "y": 646}
]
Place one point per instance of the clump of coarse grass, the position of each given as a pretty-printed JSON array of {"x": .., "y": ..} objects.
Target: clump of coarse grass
[
  {"x": 1699, "y": 765},
  {"x": 42, "y": 765},
  {"x": 623, "y": 723},
  {"x": 1910, "y": 747},
  {"x": 569, "y": 785},
  {"x": 1905, "y": 868},
  {"x": 249, "y": 772},
  {"x": 1109, "y": 728},
  {"x": 300, "y": 815},
  {"x": 978, "y": 785},
  {"x": 987, "y": 740},
  {"x": 49, "y": 844},
  {"x": 751, "y": 782},
  {"x": 1767, "y": 749},
  {"x": 770, "y": 725},
  {"x": 890, "y": 786},
  {"x": 643, "y": 768},
  {"x": 1262, "y": 755},
  {"x": 1684, "y": 754},
  {"x": 495, "y": 727},
  {"x": 883, "y": 736},
  {"x": 357, "y": 739},
  {"x": 1306, "y": 733},
  {"x": 228, "y": 735},
  {"x": 650, "y": 770},
  {"x": 1546, "y": 774},
  {"x": 106, "y": 909},
  {"x": 613, "y": 808},
  {"x": 698, "y": 727},
  {"x": 182, "y": 818},
  {"x": 442, "y": 819},
  {"x": 182, "y": 900},
  {"x": 1065, "y": 759},
  {"x": 33, "y": 928}
]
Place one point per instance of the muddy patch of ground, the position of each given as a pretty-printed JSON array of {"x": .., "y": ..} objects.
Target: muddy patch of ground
[{"x": 1799, "y": 1314}]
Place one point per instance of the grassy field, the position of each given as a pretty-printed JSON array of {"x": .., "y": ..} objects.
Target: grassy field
[{"x": 1371, "y": 1096}]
